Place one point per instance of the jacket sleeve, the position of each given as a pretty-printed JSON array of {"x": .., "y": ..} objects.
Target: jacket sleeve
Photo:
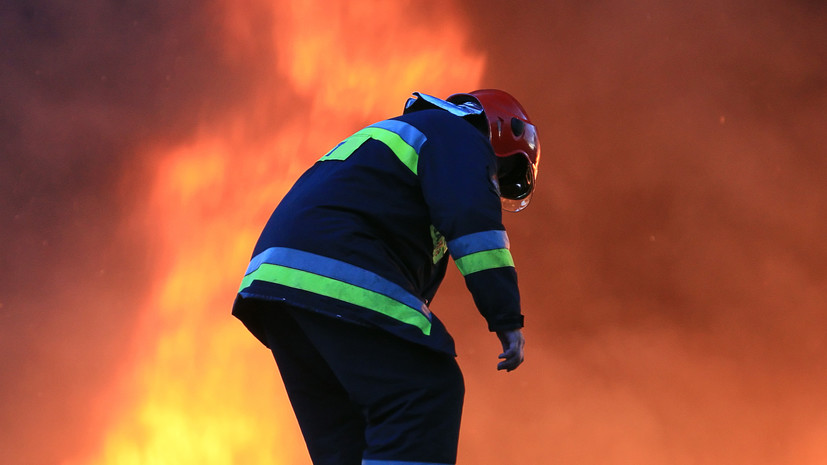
[{"x": 457, "y": 169}]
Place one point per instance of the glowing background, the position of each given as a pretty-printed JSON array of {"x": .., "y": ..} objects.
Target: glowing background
[{"x": 673, "y": 263}]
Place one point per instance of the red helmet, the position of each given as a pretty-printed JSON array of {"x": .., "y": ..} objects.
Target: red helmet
[{"x": 515, "y": 143}]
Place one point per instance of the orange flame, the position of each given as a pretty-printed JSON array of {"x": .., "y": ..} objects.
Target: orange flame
[{"x": 202, "y": 390}]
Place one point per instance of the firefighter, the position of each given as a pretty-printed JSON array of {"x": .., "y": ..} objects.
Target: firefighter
[{"x": 342, "y": 276}]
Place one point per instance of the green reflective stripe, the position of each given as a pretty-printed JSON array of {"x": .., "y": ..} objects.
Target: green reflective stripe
[
  {"x": 406, "y": 154},
  {"x": 403, "y": 151},
  {"x": 343, "y": 150},
  {"x": 317, "y": 284},
  {"x": 485, "y": 260}
]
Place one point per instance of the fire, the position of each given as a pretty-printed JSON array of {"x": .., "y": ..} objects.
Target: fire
[{"x": 201, "y": 389}]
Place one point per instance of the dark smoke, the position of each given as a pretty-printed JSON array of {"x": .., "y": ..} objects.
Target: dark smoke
[
  {"x": 673, "y": 263},
  {"x": 84, "y": 86}
]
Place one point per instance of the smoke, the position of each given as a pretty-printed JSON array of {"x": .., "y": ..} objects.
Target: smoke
[
  {"x": 113, "y": 111},
  {"x": 672, "y": 264},
  {"x": 84, "y": 87}
]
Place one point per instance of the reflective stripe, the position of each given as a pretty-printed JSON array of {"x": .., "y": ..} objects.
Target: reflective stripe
[
  {"x": 481, "y": 251},
  {"x": 411, "y": 135},
  {"x": 346, "y": 147},
  {"x": 461, "y": 110},
  {"x": 339, "y": 280},
  {"x": 397, "y": 462},
  {"x": 478, "y": 242},
  {"x": 404, "y": 140},
  {"x": 485, "y": 260}
]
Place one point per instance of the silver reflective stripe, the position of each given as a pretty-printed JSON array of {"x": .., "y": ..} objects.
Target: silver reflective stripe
[
  {"x": 411, "y": 135},
  {"x": 333, "y": 278},
  {"x": 397, "y": 462},
  {"x": 478, "y": 242},
  {"x": 462, "y": 110},
  {"x": 481, "y": 251},
  {"x": 404, "y": 140}
]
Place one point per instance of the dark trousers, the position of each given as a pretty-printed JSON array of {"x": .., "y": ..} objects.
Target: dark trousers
[{"x": 360, "y": 393}]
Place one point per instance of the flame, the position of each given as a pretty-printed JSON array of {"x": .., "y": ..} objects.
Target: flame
[{"x": 201, "y": 389}]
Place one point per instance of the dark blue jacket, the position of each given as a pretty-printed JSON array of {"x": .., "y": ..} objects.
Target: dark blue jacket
[{"x": 364, "y": 234}]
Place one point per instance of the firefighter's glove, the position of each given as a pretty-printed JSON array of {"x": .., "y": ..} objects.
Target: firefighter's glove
[{"x": 513, "y": 349}]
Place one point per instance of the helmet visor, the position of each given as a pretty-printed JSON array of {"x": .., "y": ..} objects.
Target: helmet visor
[
  {"x": 516, "y": 179},
  {"x": 512, "y": 205}
]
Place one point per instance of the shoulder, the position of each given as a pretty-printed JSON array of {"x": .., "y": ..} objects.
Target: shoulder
[{"x": 439, "y": 124}]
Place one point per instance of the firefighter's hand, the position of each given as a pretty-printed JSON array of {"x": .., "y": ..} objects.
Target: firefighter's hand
[{"x": 513, "y": 349}]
